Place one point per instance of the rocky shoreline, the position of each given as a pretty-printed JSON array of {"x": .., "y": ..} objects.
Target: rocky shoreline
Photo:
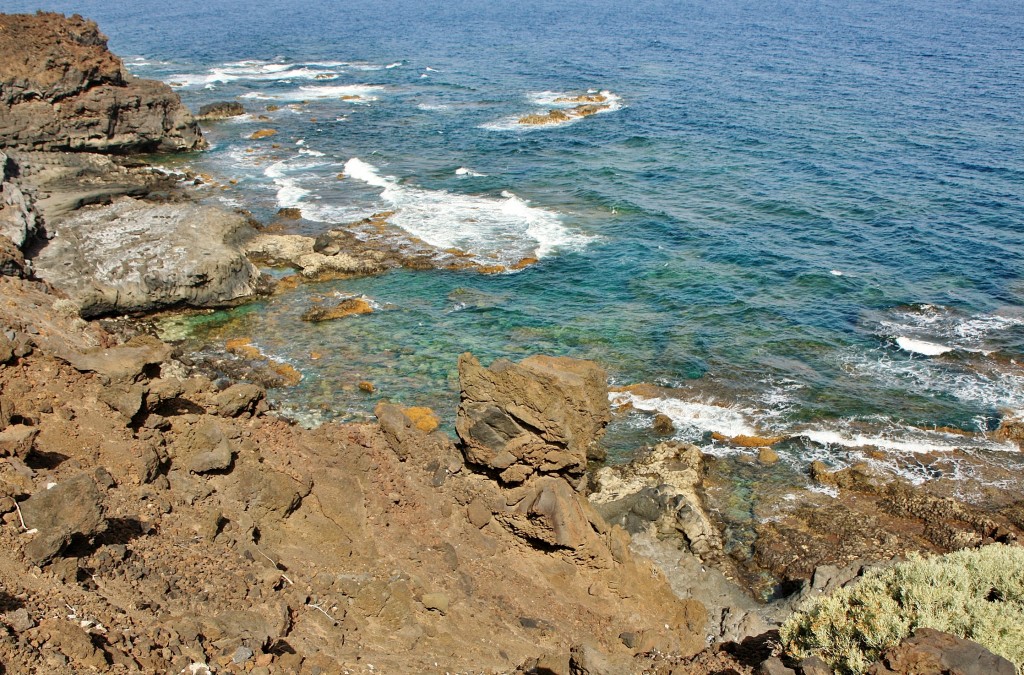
[{"x": 155, "y": 520}]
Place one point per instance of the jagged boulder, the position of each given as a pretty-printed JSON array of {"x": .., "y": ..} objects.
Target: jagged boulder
[
  {"x": 72, "y": 507},
  {"x": 552, "y": 515},
  {"x": 543, "y": 415},
  {"x": 933, "y": 651},
  {"x": 19, "y": 221},
  {"x": 221, "y": 110},
  {"x": 12, "y": 260},
  {"x": 660, "y": 492},
  {"x": 62, "y": 89}
]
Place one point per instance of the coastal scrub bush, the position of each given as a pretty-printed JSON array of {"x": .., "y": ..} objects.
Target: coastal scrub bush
[{"x": 976, "y": 594}]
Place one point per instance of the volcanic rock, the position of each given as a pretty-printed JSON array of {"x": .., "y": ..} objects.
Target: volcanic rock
[
  {"x": 134, "y": 256},
  {"x": 221, "y": 110},
  {"x": 239, "y": 399},
  {"x": 932, "y": 651},
  {"x": 62, "y": 89},
  {"x": 660, "y": 492},
  {"x": 72, "y": 507},
  {"x": 543, "y": 415},
  {"x": 348, "y": 307},
  {"x": 18, "y": 220},
  {"x": 16, "y": 440},
  {"x": 12, "y": 260}
]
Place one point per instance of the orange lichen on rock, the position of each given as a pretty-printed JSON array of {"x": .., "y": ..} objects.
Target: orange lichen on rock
[
  {"x": 458, "y": 253},
  {"x": 288, "y": 373},
  {"x": 288, "y": 283},
  {"x": 555, "y": 116},
  {"x": 524, "y": 263},
  {"x": 745, "y": 441},
  {"x": 263, "y": 133},
  {"x": 492, "y": 269},
  {"x": 586, "y": 110},
  {"x": 350, "y": 307},
  {"x": 243, "y": 347},
  {"x": 423, "y": 418}
]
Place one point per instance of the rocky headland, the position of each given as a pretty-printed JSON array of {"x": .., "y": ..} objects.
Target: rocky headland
[{"x": 156, "y": 520}]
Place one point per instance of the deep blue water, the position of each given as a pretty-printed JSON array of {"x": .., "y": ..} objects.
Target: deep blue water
[{"x": 788, "y": 203}]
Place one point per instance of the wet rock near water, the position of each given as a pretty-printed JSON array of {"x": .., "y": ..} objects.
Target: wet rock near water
[
  {"x": 661, "y": 492},
  {"x": 221, "y": 110}
]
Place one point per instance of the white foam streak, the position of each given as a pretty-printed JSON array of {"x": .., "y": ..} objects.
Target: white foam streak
[
  {"x": 921, "y": 346},
  {"x": 692, "y": 417},
  {"x": 360, "y": 92},
  {"x": 907, "y": 441},
  {"x": 463, "y": 171},
  {"x": 360, "y": 170},
  {"x": 495, "y": 231}
]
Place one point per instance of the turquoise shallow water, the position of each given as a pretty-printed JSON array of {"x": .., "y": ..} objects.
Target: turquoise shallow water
[{"x": 786, "y": 213}]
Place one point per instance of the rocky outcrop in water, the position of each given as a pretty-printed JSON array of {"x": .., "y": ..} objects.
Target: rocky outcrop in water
[
  {"x": 221, "y": 110},
  {"x": 62, "y": 89}
]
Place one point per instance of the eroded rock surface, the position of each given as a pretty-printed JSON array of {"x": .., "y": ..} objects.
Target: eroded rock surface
[{"x": 136, "y": 256}]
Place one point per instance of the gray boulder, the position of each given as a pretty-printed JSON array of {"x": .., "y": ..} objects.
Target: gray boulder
[{"x": 137, "y": 256}]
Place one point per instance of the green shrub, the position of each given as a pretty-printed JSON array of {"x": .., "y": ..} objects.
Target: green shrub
[{"x": 976, "y": 594}]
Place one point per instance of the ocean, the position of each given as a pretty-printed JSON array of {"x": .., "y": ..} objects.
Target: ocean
[{"x": 797, "y": 219}]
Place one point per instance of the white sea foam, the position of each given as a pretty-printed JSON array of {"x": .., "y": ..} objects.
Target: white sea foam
[
  {"x": 921, "y": 346},
  {"x": 255, "y": 72},
  {"x": 692, "y": 418},
  {"x": 361, "y": 92},
  {"x": 495, "y": 231},
  {"x": 908, "y": 440},
  {"x": 463, "y": 171},
  {"x": 940, "y": 324},
  {"x": 396, "y": 64},
  {"x": 290, "y": 192},
  {"x": 986, "y": 384},
  {"x": 836, "y": 273}
]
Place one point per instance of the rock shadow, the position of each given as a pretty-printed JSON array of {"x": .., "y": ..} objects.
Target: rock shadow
[
  {"x": 42, "y": 460},
  {"x": 9, "y": 603}
]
